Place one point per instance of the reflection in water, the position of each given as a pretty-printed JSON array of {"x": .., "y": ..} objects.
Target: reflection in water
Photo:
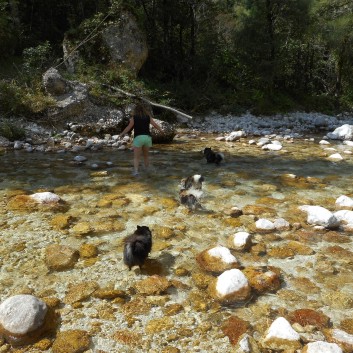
[{"x": 107, "y": 203}]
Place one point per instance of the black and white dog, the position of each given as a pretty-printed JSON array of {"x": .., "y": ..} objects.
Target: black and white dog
[
  {"x": 137, "y": 246},
  {"x": 192, "y": 182},
  {"x": 213, "y": 157},
  {"x": 191, "y": 191}
]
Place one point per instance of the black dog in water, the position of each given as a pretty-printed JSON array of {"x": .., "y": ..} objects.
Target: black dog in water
[
  {"x": 213, "y": 157},
  {"x": 137, "y": 247}
]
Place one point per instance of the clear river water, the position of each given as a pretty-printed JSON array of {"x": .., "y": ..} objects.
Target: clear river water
[{"x": 105, "y": 204}]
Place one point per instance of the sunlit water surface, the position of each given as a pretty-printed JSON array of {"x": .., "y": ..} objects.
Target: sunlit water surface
[{"x": 99, "y": 197}]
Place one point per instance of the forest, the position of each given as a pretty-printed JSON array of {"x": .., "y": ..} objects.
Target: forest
[{"x": 266, "y": 56}]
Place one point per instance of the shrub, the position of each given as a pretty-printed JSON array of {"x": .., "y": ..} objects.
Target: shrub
[{"x": 11, "y": 131}]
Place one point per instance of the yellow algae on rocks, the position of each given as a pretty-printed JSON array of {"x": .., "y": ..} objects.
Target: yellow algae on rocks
[
  {"x": 163, "y": 232},
  {"x": 71, "y": 341},
  {"x": 263, "y": 279},
  {"x": 233, "y": 222},
  {"x": 159, "y": 245},
  {"x": 347, "y": 325},
  {"x": 81, "y": 229},
  {"x": 152, "y": 285},
  {"x": 128, "y": 337},
  {"x": 137, "y": 306},
  {"x": 109, "y": 293},
  {"x": 80, "y": 292},
  {"x": 43, "y": 344},
  {"x": 88, "y": 250},
  {"x": 150, "y": 210},
  {"x": 305, "y": 285},
  {"x": 258, "y": 210},
  {"x": 168, "y": 203},
  {"x": 337, "y": 300},
  {"x": 104, "y": 203},
  {"x": 22, "y": 203},
  {"x": 102, "y": 226},
  {"x": 202, "y": 280},
  {"x": 173, "y": 309},
  {"x": 61, "y": 221},
  {"x": 60, "y": 257},
  {"x": 158, "y": 325}
]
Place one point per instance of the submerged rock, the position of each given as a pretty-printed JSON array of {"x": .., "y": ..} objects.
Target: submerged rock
[
  {"x": 239, "y": 241},
  {"x": 320, "y": 216},
  {"x": 322, "y": 347},
  {"x": 281, "y": 336},
  {"x": 60, "y": 257},
  {"x": 263, "y": 279},
  {"x": 217, "y": 259},
  {"x": 20, "y": 316},
  {"x": 71, "y": 341},
  {"x": 342, "y": 338},
  {"x": 230, "y": 286}
]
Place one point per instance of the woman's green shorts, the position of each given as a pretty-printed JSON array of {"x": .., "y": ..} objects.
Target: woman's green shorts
[{"x": 142, "y": 141}]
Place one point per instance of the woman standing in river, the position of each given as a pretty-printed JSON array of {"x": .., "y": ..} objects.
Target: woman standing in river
[{"x": 140, "y": 121}]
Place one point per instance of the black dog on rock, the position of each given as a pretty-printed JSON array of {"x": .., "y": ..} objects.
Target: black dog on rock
[
  {"x": 213, "y": 157},
  {"x": 137, "y": 247}
]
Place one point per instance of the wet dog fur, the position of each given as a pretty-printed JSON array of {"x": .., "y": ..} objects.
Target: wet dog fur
[
  {"x": 192, "y": 182},
  {"x": 213, "y": 157},
  {"x": 137, "y": 247},
  {"x": 191, "y": 191}
]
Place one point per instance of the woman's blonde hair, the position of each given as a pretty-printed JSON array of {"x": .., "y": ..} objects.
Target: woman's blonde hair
[{"x": 141, "y": 110}]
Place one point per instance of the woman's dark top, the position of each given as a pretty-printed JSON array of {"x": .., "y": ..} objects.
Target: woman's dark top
[{"x": 141, "y": 125}]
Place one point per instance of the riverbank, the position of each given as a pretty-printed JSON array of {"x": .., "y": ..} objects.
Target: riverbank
[{"x": 295, "y": 125}]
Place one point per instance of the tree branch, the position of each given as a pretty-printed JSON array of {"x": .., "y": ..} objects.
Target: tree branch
[{"x": 128, "y": 94}]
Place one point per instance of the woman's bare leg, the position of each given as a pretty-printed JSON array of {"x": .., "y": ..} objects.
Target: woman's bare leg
[
  {"x": 146, "y": 160},
  {"x": 137, "y": 157}
]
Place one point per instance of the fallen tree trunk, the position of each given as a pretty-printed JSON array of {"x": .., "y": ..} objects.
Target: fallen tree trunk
[{"x": 128, "y": 94}]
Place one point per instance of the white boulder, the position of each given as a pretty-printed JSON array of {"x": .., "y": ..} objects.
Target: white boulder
[
  {"x": 281, "y": 224},
  {"x": 272, "y": 147},
  {"x": 320, "y": 216},
  {"x": 45, "y": 197},
  {"x": 231, "y": 285},
  {"x": 335, "y": 157},
  {"x": 344, "y": 201},
  {"x": 222, "y": 253},
  {"x": 265, "y": 225},
  {"x": 322, "y": 347},
  {"x": 239, "y": 241},
  {"x": 234, "y": 135},
  {"x": 344, "y": 132},
  {"x": 21, "y": 314},
  {"x": 281, "y": 336}
]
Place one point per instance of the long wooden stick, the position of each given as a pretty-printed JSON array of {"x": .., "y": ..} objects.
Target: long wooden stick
[{"x": 128, "y": 94}]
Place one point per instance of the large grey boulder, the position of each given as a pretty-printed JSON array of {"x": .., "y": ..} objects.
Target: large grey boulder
[
  {"x": 71, "y": 97},
  {"x": 121, "y": 41},
  {"x": 126, "y": 42},
  {"x": 54, "y": 84},
  {"x": 163, "y": 137}
]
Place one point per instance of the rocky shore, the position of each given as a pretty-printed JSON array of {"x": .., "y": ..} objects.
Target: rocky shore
[{"x": 94, "y": 135}]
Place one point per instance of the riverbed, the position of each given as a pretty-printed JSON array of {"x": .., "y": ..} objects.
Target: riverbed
[{"x": 105, "y": 203}]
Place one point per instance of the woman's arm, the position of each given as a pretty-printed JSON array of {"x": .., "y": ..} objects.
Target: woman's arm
[
  {"x": 154, "y": 124},
  {"x": 128, "y": 128}
]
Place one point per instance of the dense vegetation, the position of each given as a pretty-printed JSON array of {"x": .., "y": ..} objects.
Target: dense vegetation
[{"x": 225, "y": 55}]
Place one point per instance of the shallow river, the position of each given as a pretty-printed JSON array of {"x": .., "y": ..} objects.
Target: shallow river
[{"x": 106, "y": 204}]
